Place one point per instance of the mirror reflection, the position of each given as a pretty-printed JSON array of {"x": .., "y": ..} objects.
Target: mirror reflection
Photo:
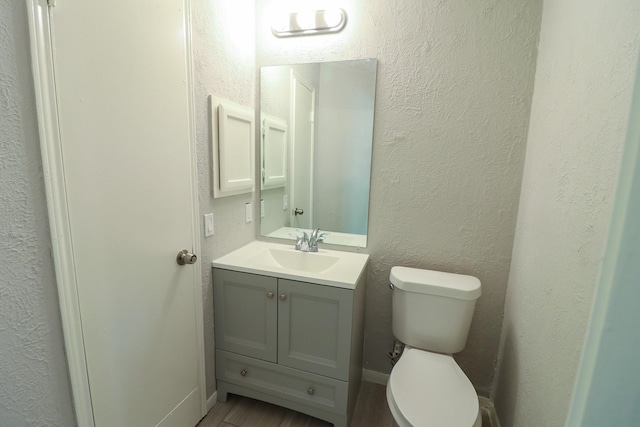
[{"x": 317, "y": 129}]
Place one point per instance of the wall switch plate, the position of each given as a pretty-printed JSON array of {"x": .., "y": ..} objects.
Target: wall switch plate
[
  {"x": 261, "y": 208},
  {"x": 208, "y": 224},
  {"x": 248, "y": 214},
  {"x": 285, "y": 202}
]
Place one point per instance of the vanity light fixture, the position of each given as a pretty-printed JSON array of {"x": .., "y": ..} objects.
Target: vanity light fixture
[{"x": 309, "y": 23}]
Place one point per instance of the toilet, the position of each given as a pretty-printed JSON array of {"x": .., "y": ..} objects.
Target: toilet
[{"x": 432, "y": 313}]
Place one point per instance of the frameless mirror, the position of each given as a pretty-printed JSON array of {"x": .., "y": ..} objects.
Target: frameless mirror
[{"x": 316, "y": 136}]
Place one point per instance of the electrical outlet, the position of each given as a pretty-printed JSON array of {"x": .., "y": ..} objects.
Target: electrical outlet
[
  {"x": 261, "y": 208},
  {"x": 285, "y": 202}
]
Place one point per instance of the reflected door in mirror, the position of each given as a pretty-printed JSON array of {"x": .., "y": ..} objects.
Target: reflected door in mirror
[{"x": 303, "y": 153}]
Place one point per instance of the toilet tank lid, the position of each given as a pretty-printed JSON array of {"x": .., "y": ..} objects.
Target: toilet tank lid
[{"x": 431, "y": 282}]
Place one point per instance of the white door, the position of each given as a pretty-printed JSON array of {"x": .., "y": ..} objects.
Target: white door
[
  {"x": 302, "y": 153},
  {"x": 121, "y": 75}
]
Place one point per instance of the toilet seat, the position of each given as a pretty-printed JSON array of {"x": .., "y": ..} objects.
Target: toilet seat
[{"x": 429, "y": 389}]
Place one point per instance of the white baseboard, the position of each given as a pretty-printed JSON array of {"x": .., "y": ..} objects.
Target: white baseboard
[
  {"x": 375, "y": 377},
  {"x": 212, "y": 400}
]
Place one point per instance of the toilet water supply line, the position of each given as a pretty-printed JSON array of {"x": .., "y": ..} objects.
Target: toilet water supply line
[
  {"x": 398, "y": 347},
  {"x": 394, "y": 355}
]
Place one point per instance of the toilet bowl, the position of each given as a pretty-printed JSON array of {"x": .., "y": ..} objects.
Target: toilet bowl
[
  {"x": 431, "y": 315},
  {"x": 430, "y": 390}
]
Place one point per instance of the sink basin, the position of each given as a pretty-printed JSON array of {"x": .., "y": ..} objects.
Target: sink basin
[
  {"x": 325, "y": 267},
  {"x": 312, "y": 262}
]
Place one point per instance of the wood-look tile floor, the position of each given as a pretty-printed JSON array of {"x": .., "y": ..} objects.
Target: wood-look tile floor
[{"x": 371, "y": 411}]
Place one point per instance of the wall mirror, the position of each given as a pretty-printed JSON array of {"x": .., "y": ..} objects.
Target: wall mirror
[{"x": 316, "y": 127}]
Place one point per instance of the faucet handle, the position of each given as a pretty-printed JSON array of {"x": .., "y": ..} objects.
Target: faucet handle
[
  {"x": 300, "y": 240},
  {"x": 321, "y": 237},
  {"x": 316, "y": 237},
  {"x": 304, "y": 236}
]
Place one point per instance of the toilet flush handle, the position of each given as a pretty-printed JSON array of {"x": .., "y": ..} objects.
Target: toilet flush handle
[{"x": 391, "y": 286}]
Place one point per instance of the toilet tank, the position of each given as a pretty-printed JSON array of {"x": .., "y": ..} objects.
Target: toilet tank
[{"x": 432, "y": 310}]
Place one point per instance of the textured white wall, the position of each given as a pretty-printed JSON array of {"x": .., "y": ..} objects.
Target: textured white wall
[
  {"x": 452, "y": 107},
  {"x": 587, "y": 57},
  {"x": 224, "y": 55},
  {"x": 34, "y": 384}
]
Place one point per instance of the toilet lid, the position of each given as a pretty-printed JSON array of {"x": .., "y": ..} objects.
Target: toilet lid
[{"x": 431, "y": 389}]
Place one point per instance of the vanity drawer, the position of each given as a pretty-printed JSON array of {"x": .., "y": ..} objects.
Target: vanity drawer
[{"x": 305, "y": 388}]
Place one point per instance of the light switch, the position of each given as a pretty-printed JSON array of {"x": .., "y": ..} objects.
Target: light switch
[
  {"x": 208, "y": 224},
  {"x": 261, "y": 208},
  {"x": 248, "y": 214},
  {"x": 285, "y": 202}
]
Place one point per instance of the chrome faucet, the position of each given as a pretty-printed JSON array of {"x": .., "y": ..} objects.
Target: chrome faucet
[
  {"x": 308, "y": 243},
  {"x": 315, "y": 238}
]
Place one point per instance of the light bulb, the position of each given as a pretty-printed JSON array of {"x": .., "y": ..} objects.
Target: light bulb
[
  {"x": 332, "y": 17},
  {"x": 306, "y": 20}
]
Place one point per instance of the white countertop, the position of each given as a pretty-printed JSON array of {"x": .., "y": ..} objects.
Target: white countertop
[{"x": 257, "y": 258}]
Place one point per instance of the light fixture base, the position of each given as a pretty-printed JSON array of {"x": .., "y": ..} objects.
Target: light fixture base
[{"x": 307, "y": 23}]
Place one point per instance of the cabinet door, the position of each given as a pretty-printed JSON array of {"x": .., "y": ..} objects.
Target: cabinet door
[
  {"x": 246, "y": 314},
  {"x": 314, "y": 328}
]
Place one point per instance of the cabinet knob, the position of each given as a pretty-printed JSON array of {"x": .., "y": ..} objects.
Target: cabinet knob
[
  {"x": 269, "y": 295},
  {"x": 243, "y": 372},
  {"x": 283, "y": 297},
  {"x": 311, "y": 390}
]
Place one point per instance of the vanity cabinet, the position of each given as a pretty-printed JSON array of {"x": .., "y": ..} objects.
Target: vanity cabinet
[
  {"x": 292, "y": 343},
  {"x": 246, "y": 315}
]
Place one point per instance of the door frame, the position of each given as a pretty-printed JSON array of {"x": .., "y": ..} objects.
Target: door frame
[
  {"x": 59, "y": 223},
  {"x": 295, "y": 77}
]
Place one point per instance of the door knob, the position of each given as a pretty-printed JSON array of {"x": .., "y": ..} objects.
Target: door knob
[
  {"x": 297, "y": 211},
  {"x": 185, "y": 257}
]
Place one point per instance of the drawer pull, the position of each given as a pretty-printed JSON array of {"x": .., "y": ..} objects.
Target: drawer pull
[
  {"x": 283, "y": 297},
  {"x": 310, "y": 390},
  {"x": 269, "y": 295},
  {"x": 243, "y": 372}
]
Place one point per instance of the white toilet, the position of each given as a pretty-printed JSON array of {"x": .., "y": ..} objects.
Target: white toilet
[{"x": 432, "y": 314}]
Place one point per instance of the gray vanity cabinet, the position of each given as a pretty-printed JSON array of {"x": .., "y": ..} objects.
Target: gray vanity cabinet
[
  {"x": 291, "y": 343},
  {"x": 314, "y": 328},
  {"x": 246, "y": 314}
]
